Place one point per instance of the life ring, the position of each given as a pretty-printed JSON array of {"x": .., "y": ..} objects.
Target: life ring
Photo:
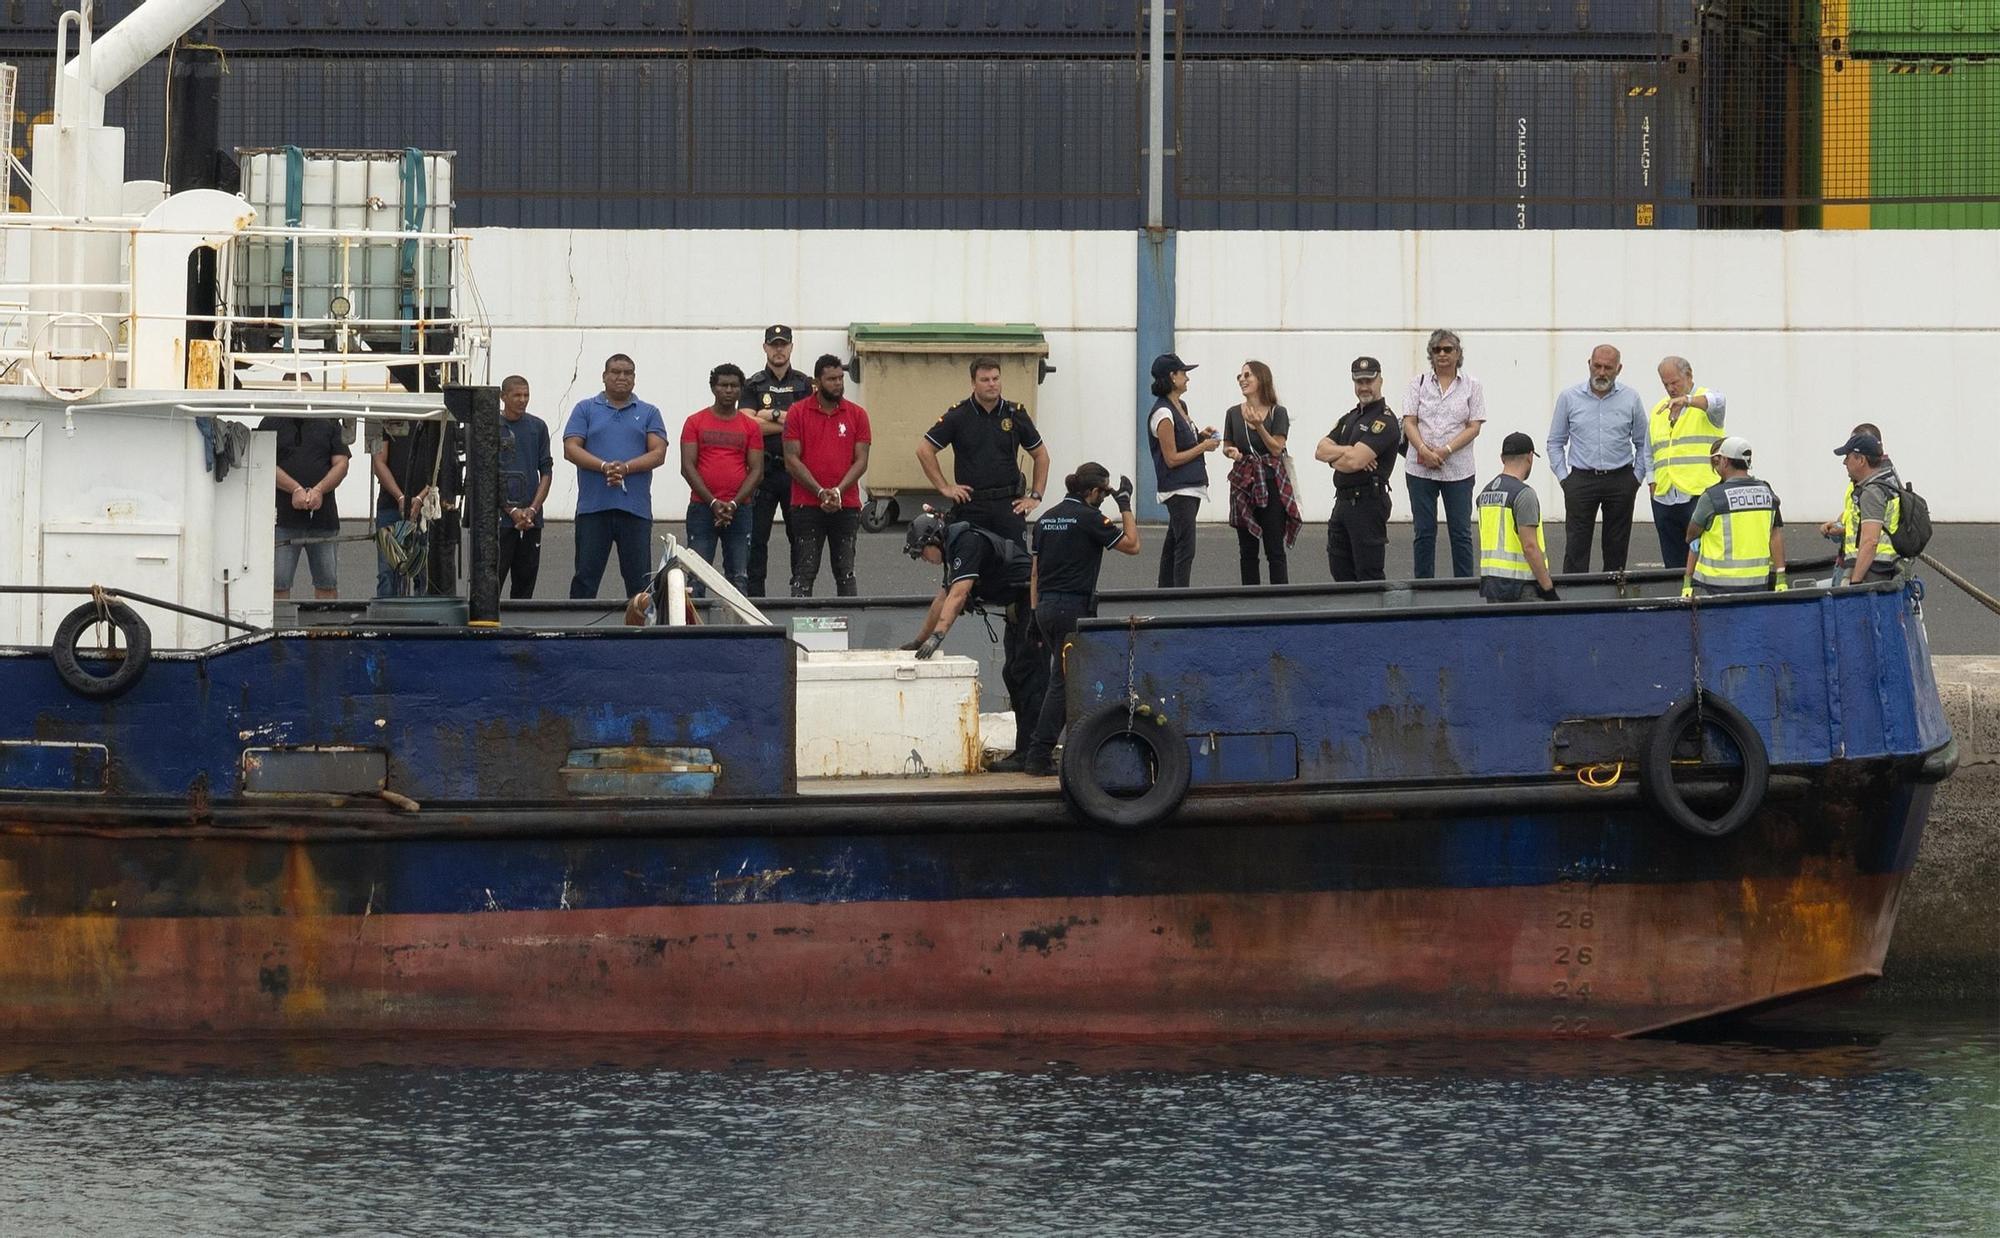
[
  {"x": 129, "y": 664},
  {"x": 1657, "y": 772},
  {"x": 1161, "y": 745}
]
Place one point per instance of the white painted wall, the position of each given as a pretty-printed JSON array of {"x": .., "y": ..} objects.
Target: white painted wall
[{"x": 1807, "y": 332}]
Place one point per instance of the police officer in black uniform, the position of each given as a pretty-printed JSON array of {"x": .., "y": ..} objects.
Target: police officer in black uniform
[
  {"x": 766, "y": 396},
  {"x": 986, "y": 434},
  {"x": 1362, "y": 452},
  {"x": 983, "y": 568},
  {"x": 1070, "y": 541}
]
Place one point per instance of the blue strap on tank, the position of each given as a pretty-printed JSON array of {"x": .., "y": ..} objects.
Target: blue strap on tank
[
  {"x": 415, "y": 201},
  {"x": 295, "y": 195}
]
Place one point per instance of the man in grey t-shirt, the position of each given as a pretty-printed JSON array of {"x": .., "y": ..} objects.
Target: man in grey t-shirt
[{"x": 1512, "y": 564}]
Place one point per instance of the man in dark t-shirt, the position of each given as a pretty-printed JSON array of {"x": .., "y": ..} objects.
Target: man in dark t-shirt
[
  {"x": 312, "y": 460},
  {"x": 984, "y": 567},
  {"x": 527, "y": 468},
  {"x": 986, "y": 434},
  {"x": 1069, "y": 544}
]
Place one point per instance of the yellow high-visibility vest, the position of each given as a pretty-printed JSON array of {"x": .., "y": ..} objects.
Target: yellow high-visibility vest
[
  {"x": 1850, "y": 523},
  {"x": 1681, "y": 449},
  {"x": 1500, "y": 550},
  {"x": 1735, "y": 548}
]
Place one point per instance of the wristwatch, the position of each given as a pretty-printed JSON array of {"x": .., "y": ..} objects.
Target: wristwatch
[{"x": 1034, "y": 494}]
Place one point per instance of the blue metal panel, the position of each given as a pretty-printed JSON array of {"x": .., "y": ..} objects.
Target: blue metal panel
[
  {"x": 1480, "y": 693},
  {"x": 66, "y": 768},
  {"x": 488, "y": 716}
]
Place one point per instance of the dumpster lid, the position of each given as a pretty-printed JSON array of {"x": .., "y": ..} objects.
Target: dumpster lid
[{"x": 948, "y": 336}]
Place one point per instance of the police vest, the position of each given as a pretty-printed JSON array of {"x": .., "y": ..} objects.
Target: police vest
[
  {"x": 1681, "y": 449},
  {"x": 1735, "y": 548},
  {"x": 1184, "y": 476},
  {"x": 1500, "y": 550},
  {"x": 1850, "y": 522}
]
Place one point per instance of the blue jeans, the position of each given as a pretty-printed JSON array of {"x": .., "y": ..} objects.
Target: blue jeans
[
  {"x": 1424, "y": 494},
  {"x": 387, "y": 583},
  {"x": 320, "y": 552},
  {"x": 734, "y": 538},
  {"x": 596, "y": 534}
]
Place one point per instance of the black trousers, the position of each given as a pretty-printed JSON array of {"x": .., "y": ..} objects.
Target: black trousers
[
  {"x": 1024, "y": 669},
  {"x": 993, "y": 515},
  {"x": 812, "y": 529},
  {"x": 1177, "y": 547},
  {"x": 520, "y": 558},
  {"x": 774, "y": 495},
  {"x": 1357, "y": 537},
  {"x": 1056, "y": 616},
  {"x": 1270, "y": 520},
  {"x": 1585, "y": 491}
]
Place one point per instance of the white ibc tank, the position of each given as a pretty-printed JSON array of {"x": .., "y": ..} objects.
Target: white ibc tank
[
  {"x": 351, "y": 190},
  {"x": 874, "y": 712}
]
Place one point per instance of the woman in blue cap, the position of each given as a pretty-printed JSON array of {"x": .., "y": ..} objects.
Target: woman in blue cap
[{"x": 1180, "y": 475}]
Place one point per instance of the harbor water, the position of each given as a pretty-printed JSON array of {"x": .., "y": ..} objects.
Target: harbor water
[{"x": 1873, "y": 1119}]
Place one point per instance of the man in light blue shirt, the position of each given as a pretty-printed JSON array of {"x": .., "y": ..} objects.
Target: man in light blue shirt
[
  {"x": 1597, "y": 448},
  {"x": 615, "y": 440}
]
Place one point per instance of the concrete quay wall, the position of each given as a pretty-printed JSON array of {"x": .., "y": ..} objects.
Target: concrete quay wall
[{"x": 1947, "y": 942}]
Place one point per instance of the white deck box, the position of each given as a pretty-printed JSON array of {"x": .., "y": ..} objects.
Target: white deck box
[{"x": 878, "y": 712}]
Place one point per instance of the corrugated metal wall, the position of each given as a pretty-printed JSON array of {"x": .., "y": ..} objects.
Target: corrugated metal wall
[
  {"x": 1027, "y": 113},
  {"x": 1436, "y": 144}
]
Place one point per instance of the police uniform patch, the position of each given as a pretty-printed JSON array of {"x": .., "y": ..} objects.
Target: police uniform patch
[
  {"x": 1006, "y": 423},
  {"x": 1375, "y": 426},
  {"x": 767, "y": 399}
]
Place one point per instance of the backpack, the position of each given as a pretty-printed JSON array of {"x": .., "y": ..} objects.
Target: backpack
[{"x": 1913, "y": 528}]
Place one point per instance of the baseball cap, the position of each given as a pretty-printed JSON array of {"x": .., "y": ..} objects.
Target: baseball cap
[
  {"x": 777, "y": 333},
  {"x": 1518, "y": 444},
  {"x": 1867, "y": 444},
  {"x": 1166, "y": 363},
  {"x": 1365, "y": 367},
  {"x": 1734, "y": 448}
]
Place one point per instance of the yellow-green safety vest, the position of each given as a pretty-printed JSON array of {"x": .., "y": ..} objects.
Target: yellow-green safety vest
[
  {"x": 1500, "y": 550},
  {"x": 1681, "y": 449},
  {"x": 1850, "y": 523},
  {"x": 1735, "y": 548}
]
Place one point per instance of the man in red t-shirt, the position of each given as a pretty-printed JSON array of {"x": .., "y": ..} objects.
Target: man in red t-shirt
[
  {"x": 826, "y": 452},
  {"x": 722, "y": 458}
]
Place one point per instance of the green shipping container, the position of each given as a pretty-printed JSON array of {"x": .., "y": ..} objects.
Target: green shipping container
[
  {"x": 1919, "y": 27},
  {"x": 1933, "y": 131}
]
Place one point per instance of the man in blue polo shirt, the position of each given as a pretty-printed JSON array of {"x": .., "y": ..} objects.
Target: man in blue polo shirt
[{"x": 615, "y": 440}]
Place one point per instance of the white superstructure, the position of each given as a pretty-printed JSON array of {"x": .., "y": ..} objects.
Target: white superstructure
[{"x": 113, "y": 394}]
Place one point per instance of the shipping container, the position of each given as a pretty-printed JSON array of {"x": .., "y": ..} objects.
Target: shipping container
[
  {"x": 1914, "y": 27},
  {"x": 1530, "y": 27},
  {"x": 1918, "y": 136},
  {"x": 1435, "y": 144}
]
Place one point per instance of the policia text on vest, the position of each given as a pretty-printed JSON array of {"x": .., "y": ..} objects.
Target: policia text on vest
[{"x": 1736, "y": 539}]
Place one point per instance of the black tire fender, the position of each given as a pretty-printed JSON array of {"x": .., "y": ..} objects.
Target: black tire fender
[
  {"x": 1164, "y": 744},
  {"x": 1657, "y": 774},
  {"x": 129, "y": 665}
]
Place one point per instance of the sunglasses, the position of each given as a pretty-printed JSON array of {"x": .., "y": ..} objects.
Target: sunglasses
[{"x": 1444, "y": 348}]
